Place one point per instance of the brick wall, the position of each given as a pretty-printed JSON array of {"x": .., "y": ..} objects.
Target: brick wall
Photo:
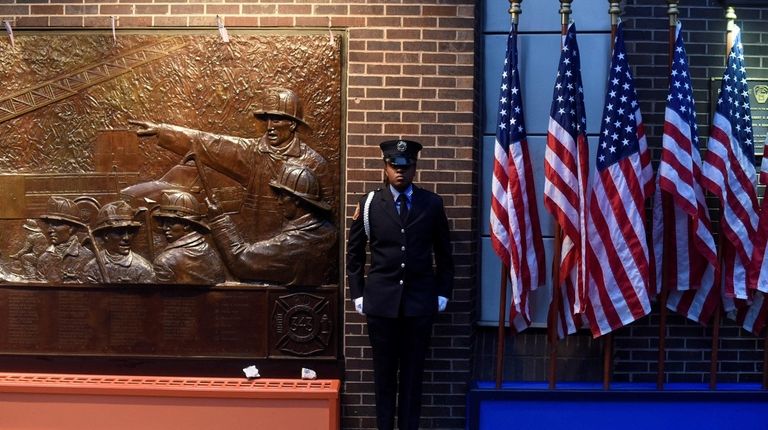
[{"x": 411, "y": 74}]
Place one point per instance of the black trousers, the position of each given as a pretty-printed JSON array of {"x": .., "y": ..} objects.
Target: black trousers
[{"x": 399, "y": 343}]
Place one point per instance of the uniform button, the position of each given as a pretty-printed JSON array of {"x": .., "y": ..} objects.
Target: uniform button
[
  {"x": 402, "y": 264},
  {"x": 402, "y": 248},
  {"x": 402, "y": 230},
  {"x": 401, "y": 282}
]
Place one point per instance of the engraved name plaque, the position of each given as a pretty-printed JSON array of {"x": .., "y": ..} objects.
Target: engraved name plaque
[{"x": 758, "y": 104}]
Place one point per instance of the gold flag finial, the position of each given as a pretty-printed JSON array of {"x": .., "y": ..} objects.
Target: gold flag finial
[
  {"x": 730, "y": 16},
  {"x": 515, "y": 10},
  {"x": 614, "y": 10},
  {"x": 565, "y": 11},
  {"x": 673, "y": 12}
]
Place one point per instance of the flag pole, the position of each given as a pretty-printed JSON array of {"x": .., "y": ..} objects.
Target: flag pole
[
  {"x": 554, "y": 310},
  {"x": 514, "y": 12},
  {"x": 673, "y": 12},
  {"x": 502, "y": 323},
  {"x": 614, "y": 10},
  {"x": 765, "y": 360},
  {"x": 730, "y": 16}
]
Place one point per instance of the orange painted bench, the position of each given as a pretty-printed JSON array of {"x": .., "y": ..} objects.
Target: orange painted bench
[{"x": 65, "y": 401}]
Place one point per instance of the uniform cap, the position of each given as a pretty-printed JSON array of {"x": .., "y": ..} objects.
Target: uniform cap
[
  {"x": 400, "y": 153},
  {"x": 300, "y": 182},
  {"x": 181, "y": 205},
  {"x": 282, "y": 102},
  {"x": 63, "y": 209},
  {"x": 116, "y": 214}
]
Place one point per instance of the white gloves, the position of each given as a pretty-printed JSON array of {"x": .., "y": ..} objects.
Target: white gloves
[{"x": 442, "y": 303}]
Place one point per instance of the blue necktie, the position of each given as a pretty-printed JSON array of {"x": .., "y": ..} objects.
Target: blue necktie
[{"x": 402, "y": 202}]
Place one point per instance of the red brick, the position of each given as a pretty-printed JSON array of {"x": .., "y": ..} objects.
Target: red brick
[
  {"x": 37, "y": 9},
  {"x": 115, "y": 9},
  {"x": 363, "y": 128},
  {"x": 420, "y": 22},
  {"x": 187, "y": 9},
  {"x": 383, "y": 92},
  {"x": 259, "y": 9},
  {"x": 294, "y": 9},
  {"x": 383, "y": 117},
  {"x": 170, "y": 21},
  {"x": 384, "y": 69},
  {"x": 383, "y": 21},
  {"x": 393, "y": 10},
  {"x": 456, "y": 22},
  {"x": 402, "y": 129},
  {"x": 152, "y": 9},
  {"x": 366, "y": 9},
  {"x": 65, "y": 21},
  {"x": 466, "y": 11},
  {"x": 429, "y": 10},
  {"x": 366, "y": 57},
  {"x": 438, "y": 105},
  {"x": 90, "y": 9},
  {"x": 134, "y": 21},
  {"x": 367, "y": 81},
  {"x": 403, "y": 33},
  {"x": 222, "y": 9},
  {"x": 402, "y": 81},
  {"x": 420, "y": 46},
  {"x": 411, "y": 105},
  {"x": 331, "y": 10},
  {"x": 31, "y": 21},
  {"x": 357, "y": 45},
  {"x": 348, "y": 21},
  {"x": 419, "y": 69},
  {"x": 356, "y": 68},
  {"x": 439, "y": 82},
  {"x": 242, "y": 21},
  {"x": 401, "y": 57},
  {"x": 365, "y": 104},
  {"x": 276, "y": 21},
  {"x": 11, "y": 10},
  {"x": 204, "y": 21},
  {"x": 311, "y": 21},
  {"x": 97, "y": 21},
  {"x": 381, "y": 45},
  {"x": 420, "y": 117},
  {"x": 366, "y": 33}
]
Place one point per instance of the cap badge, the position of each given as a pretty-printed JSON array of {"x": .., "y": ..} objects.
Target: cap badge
[{"x": 402, "y": 146}]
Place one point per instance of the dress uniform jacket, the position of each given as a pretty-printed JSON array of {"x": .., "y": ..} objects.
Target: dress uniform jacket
[{"x": 410, "y": 264}]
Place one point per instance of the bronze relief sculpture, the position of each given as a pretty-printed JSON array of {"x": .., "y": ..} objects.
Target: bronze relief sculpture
[
  {"x": 227, "y": 180},
  {"x": 170, "y": 195}
]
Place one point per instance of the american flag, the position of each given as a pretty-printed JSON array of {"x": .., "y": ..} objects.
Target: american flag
[
  {"x": 515, "y": 230},
  {"x": 759, "y": 270},
  {"x": 729, "y": 172},
  {"x": 565, "y": 173},
  {"x": 753, "y": 318},
  {"x": 618, "y": 258},
  {"x": 685, "y": 251}
]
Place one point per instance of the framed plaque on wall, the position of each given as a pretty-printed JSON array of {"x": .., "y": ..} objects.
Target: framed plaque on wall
[{"x": 171, "y": 202}]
